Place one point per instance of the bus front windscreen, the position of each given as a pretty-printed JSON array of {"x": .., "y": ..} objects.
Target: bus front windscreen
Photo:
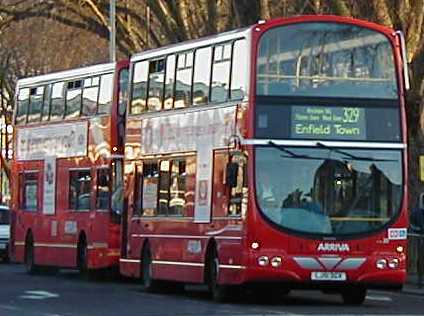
[
  {"x": 325, "y": 60},
  {"x": 328, "y": 191}
]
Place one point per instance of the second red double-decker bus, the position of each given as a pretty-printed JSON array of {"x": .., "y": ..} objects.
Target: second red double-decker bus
[
  {"x": 273, "y": 155},
  {"x": 67, "y": 169}
]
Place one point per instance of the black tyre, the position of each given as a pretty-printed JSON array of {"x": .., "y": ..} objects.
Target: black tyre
[
  {"x": 220, "y": 293},
  {"x": 150, "y": 284},
  {"x": 30, "y": 266},
  {"x": 354, "y": 296}
]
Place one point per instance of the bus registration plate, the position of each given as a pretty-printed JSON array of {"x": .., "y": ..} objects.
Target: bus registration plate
[{"x": 328, "y": 276}]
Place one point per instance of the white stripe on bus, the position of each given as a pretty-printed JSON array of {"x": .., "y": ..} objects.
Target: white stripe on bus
[
  {"x": 186, "y": 237},
  {"x": 176, "y": 263}
]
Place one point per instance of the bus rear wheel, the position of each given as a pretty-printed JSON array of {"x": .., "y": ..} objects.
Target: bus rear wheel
[
  {"x": 354, "y": 295},
  {"x": 30, "y": 266}
]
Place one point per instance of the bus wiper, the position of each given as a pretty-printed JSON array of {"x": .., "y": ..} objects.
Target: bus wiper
[
  {"x": 289, "y": 152},
  {"x": 349, "y": 155}
]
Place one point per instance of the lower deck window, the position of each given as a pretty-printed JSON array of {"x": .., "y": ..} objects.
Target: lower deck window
[
  {"x": 103, "y": 192},
  {"x": 79, "y": 189},
  {"x": 30, "y": 191}
]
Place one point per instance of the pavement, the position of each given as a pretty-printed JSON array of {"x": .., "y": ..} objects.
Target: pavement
[{"x": 412, "y": 287}]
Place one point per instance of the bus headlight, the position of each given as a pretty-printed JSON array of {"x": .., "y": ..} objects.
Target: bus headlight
[
  {"x": 393, "y": 263},
  {"x": 276, "y": 262},
  {"x": 381, "y": 264},
  {"x": 263, "y": 261}
]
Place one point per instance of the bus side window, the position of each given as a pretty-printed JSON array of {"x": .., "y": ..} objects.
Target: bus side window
[
  {"x": 139, "y": 87},
  {"x": 221, "y": 72},
  {"x": 35, "y": 104},
  {"x": 117, "y": 198},
  {"x": 90, "y": 95},
  {"x": 105, "y": 95},
  {"x": 57, "y": 101},
  {"x": 103, "y": 190},
  {"x": 73, "y": 98},
  {"x": 164, "y": 187},
  {"x": 177, "y": 188},
  {"x": 238, "y": 190},
  {"x": 29, "y": 197},
  {"x": 169, "y": 82},
  {"x": 46, "y": 102},
  {"x": 239, "y": 70},
  {"x": 23, "y": 103},
  {"x": 79, "y": 189},
  {"x": 202, "y": 75},
  {"x": 148, "y": 189},
  {"x": 156, "y": 80},
  {"x": 183, "y": 80}
]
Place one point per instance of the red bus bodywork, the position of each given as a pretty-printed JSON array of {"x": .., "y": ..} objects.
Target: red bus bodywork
[
  {"x": 58, "y": 237},
  {"x": 181, "y": 248}
]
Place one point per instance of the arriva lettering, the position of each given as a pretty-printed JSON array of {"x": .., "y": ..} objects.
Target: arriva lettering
[{"x": 326, "y": 246}]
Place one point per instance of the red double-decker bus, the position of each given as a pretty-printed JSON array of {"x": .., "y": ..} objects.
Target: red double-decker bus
[
  {"x": 272, "y": 156},
  {"x": 67, "y": 170}
]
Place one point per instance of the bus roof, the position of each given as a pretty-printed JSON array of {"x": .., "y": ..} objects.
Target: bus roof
[
  {"x": 191, "y": 44},
  {"x": 65, "y": 75}
]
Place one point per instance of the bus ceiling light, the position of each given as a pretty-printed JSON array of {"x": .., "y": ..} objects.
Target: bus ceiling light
[
  {"x": 255, "y": 245},
  {"x": 381, "y": 264},
  {"x": 263, "y": 261},
  {"x": 399, "y": 249},
  {"x": 393, "y": 263},
  {"x": 276, "y": 262}
]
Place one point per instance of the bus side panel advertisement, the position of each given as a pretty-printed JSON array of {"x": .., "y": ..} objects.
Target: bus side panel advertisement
[{"x": 62, "y": 141}]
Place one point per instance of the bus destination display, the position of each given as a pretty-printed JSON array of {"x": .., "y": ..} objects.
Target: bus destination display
[{"x": 328, "y": 122}]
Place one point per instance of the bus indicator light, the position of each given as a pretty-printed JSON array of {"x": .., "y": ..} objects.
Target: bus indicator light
[{"x": 255, "y": 245}]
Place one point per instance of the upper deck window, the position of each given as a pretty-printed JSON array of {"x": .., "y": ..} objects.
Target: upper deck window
[
  {"x": 105, "y": 96},
  {"x": 57, "y": 101},
  {"x": 239, "y": 70},
  {"x": 169, "y": 82},
  {"x": 139, "y": 92},
  {"x": 46, "y": 102},
  {"x": 73, "y": 98},
  {"x": 183, "y": 81},
  {"x": 156, "y": 80},
  {"x": 23, "y": 103},
  {"x": 326, "y": 60},
  {"x": 221, "y": 72},
  {"x": 90, "y": 95},
  {"x": 202, "y": 75},
  {"x": 35, "y": 103}
]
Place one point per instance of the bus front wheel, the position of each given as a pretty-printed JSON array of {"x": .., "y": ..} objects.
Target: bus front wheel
[
  {"x": 82, "y": 255},
  {"x": 354, "y": 295},
  {"x": 150, "y": 284},
  {"x": 219, "y": 292}
]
